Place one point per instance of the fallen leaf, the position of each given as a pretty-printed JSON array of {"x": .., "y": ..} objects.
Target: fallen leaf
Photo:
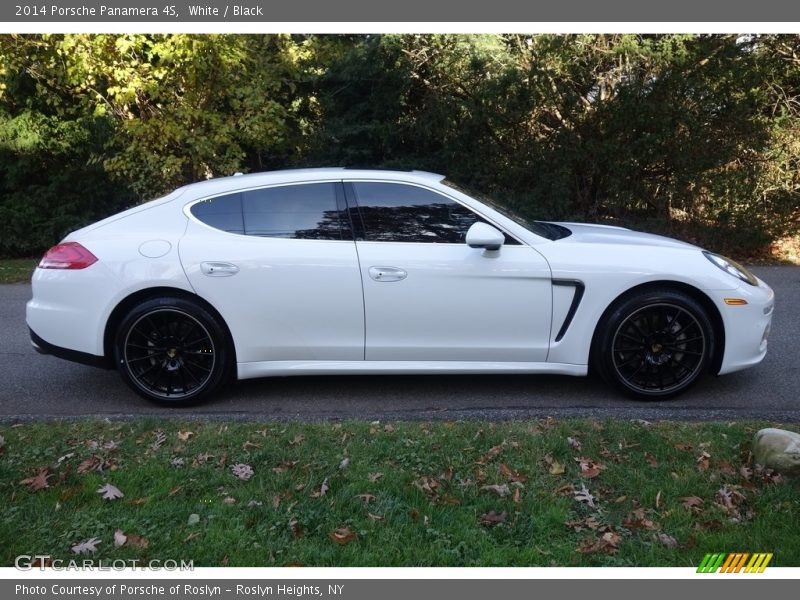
[
  {"x": 249, "y": 444},
  {"x": 175, "y": 490},
  {"x": 110, "y": 492},
  {"x": 651, "y": 460},
  {"x": 345, "y": 463},
  {"x": 242, "y": 471},
  {"x": 375, "y": 517},
  {"x": 87, "y": 547},
  {"x": 414, "y": 514},
  {"x": 556, "y": 468},
  {"x": 730, "y": 499},
  {"x": 160, "y": 438},
  {"x": 342, "y": 536},
  {"x": 583, "y": 495},
  {"x": 638, "y": 519},
  {"x": 575, "y": 443},
  {"x": 620, "y": 500},
  {"x": 447, "y": 474},
  {"x": 298, "y": 531},
  {"x": 511, "y": 474},
  {"x": 493, "y": 518},
  {"x": 119, "y": 538},
  {"x": 492, "y": 452},
  {"x": 177, "y": 461},
  {"x": 229, "y": 500},
  {"x": 139, "y": 501},
  {"x": 429, "y": 485},
  {"x": 194, "y": 519},
  {"x": 201, "y": 459},
  {"x": 500, "y": 490},
  {"x": 284, "y": 466},
  {"x": 191, "y": 536},
  {"x": 667, "y": 540},
  {"x": 323, "y": 489},
  {"x": 517, "y": 496},
  {"x": 565, "y": 490},
  {"x": 39, "y": 481},
  {"x": 702, "y": 461},
  {"x": 589, "y": 522},
  {"x": 365, "y": 498},
  {"x": 90, "y": 464},
  {"x": 692, "y": 503},
  {"x": 684, "y": 447},
  {"x": 184, "y": 435},
  {"x": 373, "y": 477},
  {"x": 298, "y": 439},
  {"x": 608, "y": 542},
  {"x": 63, "y": 458},
  {"x": 140, "y": 542},
  {"x": 589, "y": 467},
  {"x": 254, "y": 504},
  {"x": 658, "y": 499}
]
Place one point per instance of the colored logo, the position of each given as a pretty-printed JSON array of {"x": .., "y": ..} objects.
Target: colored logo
[{"x": 735, "y": 562}]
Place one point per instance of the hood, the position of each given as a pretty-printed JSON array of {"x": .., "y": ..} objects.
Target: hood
[{"x": 583, "y": 233}]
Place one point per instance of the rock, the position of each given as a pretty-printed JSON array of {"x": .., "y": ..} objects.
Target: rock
[{"x": 778, "y": 449}]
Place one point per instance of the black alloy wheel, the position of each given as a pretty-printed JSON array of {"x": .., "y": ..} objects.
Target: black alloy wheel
[
  {"x": 171, "y": 351},
  {"x": 655, "y": 344}
]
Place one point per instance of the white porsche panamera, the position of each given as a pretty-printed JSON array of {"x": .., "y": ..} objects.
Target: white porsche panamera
[{"x": 329, "y": 271}]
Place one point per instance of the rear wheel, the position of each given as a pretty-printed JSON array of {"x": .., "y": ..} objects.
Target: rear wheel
[
  {"x": 171, "y": 351},
  {"x": 655, "y": 344}
]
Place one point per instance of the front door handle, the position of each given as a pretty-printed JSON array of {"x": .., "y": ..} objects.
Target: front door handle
[
  {"x": 387, "y": 274},
  {"x": 218, "y": 269}
]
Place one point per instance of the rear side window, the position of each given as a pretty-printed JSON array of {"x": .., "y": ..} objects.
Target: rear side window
[
  {"x": 222, "y": 212},
  {"x": 306, "y": 212},
  {"x": 394, "y": 212}
]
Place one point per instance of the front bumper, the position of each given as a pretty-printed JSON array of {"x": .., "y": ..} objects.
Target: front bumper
[{"x": 747, "y": 326}]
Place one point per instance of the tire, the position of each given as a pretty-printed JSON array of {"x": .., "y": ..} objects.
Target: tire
[
  {"x": 654, "y": 344},
  {"x": 172, "y": 351}
]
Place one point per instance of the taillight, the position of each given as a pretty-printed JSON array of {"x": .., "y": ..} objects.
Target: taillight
[{"x": 69, "y": 255}]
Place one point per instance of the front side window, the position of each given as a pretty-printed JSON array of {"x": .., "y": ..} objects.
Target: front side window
[
  {"x": 305, "y": 212},
  {"x": 395, "y": 212}
]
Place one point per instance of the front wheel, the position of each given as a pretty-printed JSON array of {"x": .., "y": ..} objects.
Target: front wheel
[
  {"x": 655, "y": 344},
  {"x": 171, "y": 351}
]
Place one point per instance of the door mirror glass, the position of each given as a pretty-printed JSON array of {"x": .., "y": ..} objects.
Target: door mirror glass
[{"x": 483, "y": 235}]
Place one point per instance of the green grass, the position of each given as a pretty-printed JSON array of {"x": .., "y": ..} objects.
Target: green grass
[
  {"x": 16, "y": 270},
  {"x": 274, "y": 518}
]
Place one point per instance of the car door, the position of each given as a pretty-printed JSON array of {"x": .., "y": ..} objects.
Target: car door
[
  {"x": 430, "y": 297},
  {"x": 279, "y": 263}
]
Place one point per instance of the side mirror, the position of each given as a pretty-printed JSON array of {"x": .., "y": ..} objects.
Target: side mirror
[{"x": 483, "y": 235}]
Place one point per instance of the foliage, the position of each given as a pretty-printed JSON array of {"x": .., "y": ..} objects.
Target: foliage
[
  {"x": 693, "y": 135},
  {"x": 392, "y": 494}
]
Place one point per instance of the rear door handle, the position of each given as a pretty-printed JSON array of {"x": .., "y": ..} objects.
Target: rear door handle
[
  {"x": 218, "y": 269},
  {"x": 387, "y": 274}
]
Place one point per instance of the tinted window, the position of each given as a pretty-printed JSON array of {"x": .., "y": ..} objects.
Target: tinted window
[
  {"x": 392, "y": 212},
  {"x": 295, "y": 212},
  {"x": 223, "y": 212}
]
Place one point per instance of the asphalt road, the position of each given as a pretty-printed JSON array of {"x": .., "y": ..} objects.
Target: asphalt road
[{"x": 40, "y": 387}]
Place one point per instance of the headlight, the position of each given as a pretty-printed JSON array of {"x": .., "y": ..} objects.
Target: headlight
[{"x": 731, "y": 267}]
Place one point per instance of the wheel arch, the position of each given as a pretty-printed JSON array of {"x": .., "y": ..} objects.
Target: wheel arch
[
  {"x": 693, "y": 292},
  {"x": 125, "y": 305}
]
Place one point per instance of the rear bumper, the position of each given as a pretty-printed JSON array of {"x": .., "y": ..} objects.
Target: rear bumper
[{"x": 44, "y": 347}]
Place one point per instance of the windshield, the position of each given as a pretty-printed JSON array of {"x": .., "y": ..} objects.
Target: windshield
[{"x": 550, "y": 231}]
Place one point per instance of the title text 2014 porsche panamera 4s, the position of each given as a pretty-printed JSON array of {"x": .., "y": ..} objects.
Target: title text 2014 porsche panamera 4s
[{"x": 333, "y": 271}]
